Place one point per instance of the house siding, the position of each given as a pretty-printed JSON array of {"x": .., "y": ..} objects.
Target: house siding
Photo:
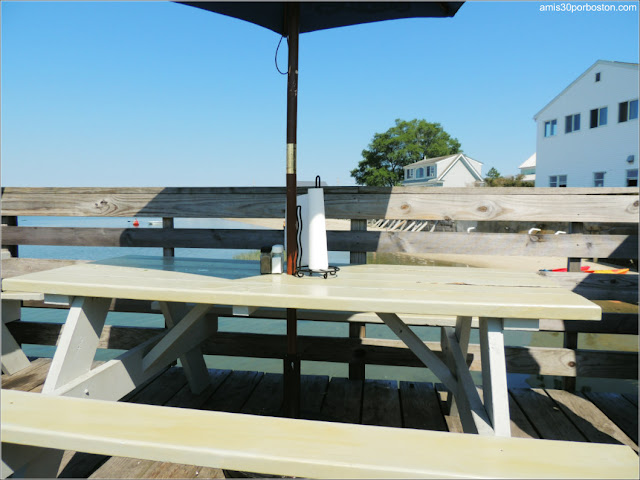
[{"x": 602, "y": 149}]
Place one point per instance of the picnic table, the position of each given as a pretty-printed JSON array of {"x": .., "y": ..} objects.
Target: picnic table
[{"x": 188, "y": 288}]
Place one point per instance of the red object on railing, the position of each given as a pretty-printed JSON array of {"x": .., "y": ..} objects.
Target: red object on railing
[{"x": 136, "y": 223}]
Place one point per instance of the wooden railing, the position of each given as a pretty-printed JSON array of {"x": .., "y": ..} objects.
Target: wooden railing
[{"x": 600, "y": 223}]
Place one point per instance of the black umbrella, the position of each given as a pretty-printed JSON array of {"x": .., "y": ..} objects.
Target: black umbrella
[{"x": 290, "y": 19}]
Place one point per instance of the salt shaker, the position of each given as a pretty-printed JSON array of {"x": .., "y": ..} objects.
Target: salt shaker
[
  {"x": 277, "y": 259},
  {"x": 265, "y": 260}
]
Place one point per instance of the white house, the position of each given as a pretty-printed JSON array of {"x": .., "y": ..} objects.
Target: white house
[
  {"x": 528, "y": 169},
  {"x": 456, "y": 170},
  {"x": 588, "y": 135}
]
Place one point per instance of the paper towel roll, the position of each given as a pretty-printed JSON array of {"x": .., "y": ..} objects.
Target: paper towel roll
[
  {"x": 318, "y": 255},
  {"x": 313, "y": 237}
]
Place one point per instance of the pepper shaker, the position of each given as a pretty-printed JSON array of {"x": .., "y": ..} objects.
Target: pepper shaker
[{"x": 265, "y": 260}]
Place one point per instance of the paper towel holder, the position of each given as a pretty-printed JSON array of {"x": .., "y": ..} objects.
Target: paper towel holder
[{"x": 302, "y": 270}]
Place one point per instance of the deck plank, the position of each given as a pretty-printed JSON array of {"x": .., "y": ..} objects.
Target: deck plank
[
  {"x": 162, "y": 389},
  {"x": 313, "y": 389},
  {"x": 80, "y": 464},
  {"x": 632, "y": 397},
  {"x": 589, "y": 419},
  {"x": 267, "y": 397},
  {"x": 234, "y": 392},
  {"x": 29, "y": 378},
  {"x": 547, "y": 418},
  {"x": 620, "y": 410},
  {"x": 123, "y": 467},
  {"x": 520, "y": 425},
  {"x": 381, "y": 403},
  {"x": 185, "y": 398},
  {"x": 421, "y": 406},
  {"x": 343, "y": 402}
]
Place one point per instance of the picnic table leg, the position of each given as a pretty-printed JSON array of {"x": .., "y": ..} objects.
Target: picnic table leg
[
  {"x": 192, "y": 361},
  {"x": 494, "y": 375},
  {"x": 78, "y": 342},
  {"x": 26, "y": 461},
  {"x": 13, "y": 358}
]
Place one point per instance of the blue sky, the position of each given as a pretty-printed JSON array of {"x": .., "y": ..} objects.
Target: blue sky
[{"x": 161, "y": 94}]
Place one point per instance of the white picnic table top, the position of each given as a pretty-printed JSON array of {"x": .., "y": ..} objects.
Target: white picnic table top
[{"x": 356, "y": 288}]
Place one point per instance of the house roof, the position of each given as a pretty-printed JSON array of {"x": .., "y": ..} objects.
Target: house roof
[
  {"x": 429, "y": 161},
  {"x": 598, "y": 62},
  {"x": 447, "y": 162},
  {"x": 529, "y": 162}
]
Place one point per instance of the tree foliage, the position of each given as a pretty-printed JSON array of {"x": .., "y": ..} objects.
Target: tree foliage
[
  {"x": 405, "y": 143},
  {"x": 493, "y": 173}
]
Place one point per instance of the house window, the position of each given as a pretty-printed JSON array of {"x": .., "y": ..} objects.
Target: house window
[
  {"x": 431, "y": 171},
  {"x": 420, "y": 173},
  {"x": 598, "y": 179},
  {"x": 627, "y": 110},
  {"x": 632, "y": 178},
  {"x": 598, "y": 117},
  {"x": 409, "y": 173},
  {"x": 598, "y": 77},
  {"x": 558, "y": 181},
  {"x": 550, "y": 128},
  {"x": 572, "y": 123}
]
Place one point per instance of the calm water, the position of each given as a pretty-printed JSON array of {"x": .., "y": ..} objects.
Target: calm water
[{"x": 278, "y": 326}]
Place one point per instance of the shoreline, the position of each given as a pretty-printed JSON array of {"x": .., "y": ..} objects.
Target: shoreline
[{"x": 517, "y": 263}]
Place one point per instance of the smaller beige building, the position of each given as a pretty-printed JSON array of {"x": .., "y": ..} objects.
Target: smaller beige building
[{"x": 456, "y": 170}]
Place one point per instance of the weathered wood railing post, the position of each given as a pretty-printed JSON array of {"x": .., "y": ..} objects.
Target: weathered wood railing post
[
  {"x": 357, "y": 329},
  {"x": 9, "y": 250},
  {"x": 167, "y": 222},
  {"x": 571, "y": 338}
]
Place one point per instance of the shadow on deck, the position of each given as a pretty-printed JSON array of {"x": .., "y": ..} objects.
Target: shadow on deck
[{"x": 535, "y": 413}]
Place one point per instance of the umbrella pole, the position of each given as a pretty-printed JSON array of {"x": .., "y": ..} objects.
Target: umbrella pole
[{"x": 292, "y": 358}]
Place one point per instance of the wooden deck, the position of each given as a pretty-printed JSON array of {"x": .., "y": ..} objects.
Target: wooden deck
[{"x": 535, "y": 413}]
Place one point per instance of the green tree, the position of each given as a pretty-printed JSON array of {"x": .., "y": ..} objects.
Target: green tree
[
  {"x": 493, "y": 173},
  {"x": 405, "y": 143}
]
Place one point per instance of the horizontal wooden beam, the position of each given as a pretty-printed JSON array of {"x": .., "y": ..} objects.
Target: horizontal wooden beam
[
  {"x": 577, "y": 245},
  {"x": 482, "y": 204},
  {"x": 531, "y": 360}
]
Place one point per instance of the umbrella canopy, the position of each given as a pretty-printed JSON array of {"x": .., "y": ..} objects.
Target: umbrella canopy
[
  {"x": 323, "y": 15},
  {"x": 290, "y": 19}
]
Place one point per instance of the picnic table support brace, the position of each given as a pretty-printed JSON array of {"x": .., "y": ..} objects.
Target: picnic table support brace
[
  {"x": 494, "y": 375},
  {"x": 192, "y": 361},
  {"x": 79, "y": 341},
  {"x": 463, "y": 332},
  {"x": 473, "y": 414}
]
